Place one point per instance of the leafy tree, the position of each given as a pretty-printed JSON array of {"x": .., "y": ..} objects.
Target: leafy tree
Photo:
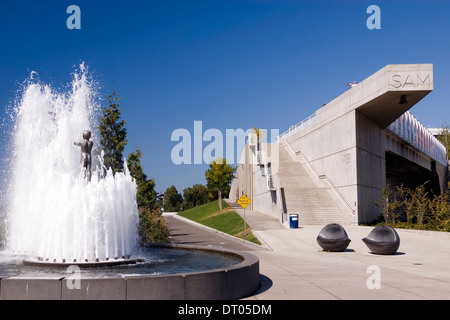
[
  {"x": 388, "y": 207},
  {"x": 219, "y": 176},
  {"x": 152, "y": 226},
  {"x": 172, "y": 199},
  {"x": 213, "y": 193},
  {"x": 195, "y": 196},
  {"x": 421, "y": 200},
  {"x": 259, "y": 135},
  {"x": 406, "y": 203},
  {"x": 112, "y": 134},
  {"x": 146, "y": 194},
  {"x": 440, "y": 211},
  {"x": 421, "y": 208}
]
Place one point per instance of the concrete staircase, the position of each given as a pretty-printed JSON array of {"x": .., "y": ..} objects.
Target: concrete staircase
[{"x": 313, "y": 204}]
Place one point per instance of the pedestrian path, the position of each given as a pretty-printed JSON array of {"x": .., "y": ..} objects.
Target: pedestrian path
[
  {"x": 185, "y": 231},
  {"x": 293, "y": 266}
]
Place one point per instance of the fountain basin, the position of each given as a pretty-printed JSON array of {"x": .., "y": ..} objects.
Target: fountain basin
[{"x": 233, "y": 281}]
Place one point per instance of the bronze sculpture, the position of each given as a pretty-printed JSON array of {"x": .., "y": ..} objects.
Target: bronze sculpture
[{"x": 86, "y": 148}]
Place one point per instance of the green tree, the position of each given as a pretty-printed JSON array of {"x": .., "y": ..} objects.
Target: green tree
[
  {"x": 388, "y": 206},
  {"x": 112, "y": 134},
  {"x": 172, "y": 199},
  {"x": 146, "y": 194},
  {"x": 259, "y": 135},
  {"x": 219, "y": 176},
  {"x": 195, "y": 196},
  {"x": 422, "y": 201},
  {"x": 440, "y": 211},
  {"x": 152, "y": 226},
  {"x": 406, "y": 203}
]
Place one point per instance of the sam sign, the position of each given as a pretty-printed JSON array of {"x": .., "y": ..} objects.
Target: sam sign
[{"x": 244, "y": 201}]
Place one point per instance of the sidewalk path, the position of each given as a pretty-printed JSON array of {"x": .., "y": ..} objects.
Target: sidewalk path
[
  {"x": 185, "y": 231},
  {"x": 293, "y": 266}
]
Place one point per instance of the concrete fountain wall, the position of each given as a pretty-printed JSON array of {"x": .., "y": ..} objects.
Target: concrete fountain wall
[{"x": 229, "y": 283}]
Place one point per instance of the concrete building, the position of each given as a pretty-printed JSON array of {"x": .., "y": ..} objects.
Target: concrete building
[{"x": 331, "y": 166}]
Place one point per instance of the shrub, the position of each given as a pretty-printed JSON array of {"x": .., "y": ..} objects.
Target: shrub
[
  {"x": 152, "y": 226},
  {"x": 415, "y": 208}
]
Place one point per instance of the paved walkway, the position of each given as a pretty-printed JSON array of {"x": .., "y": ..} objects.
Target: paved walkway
[
  {"x": 184, "y": 231},
  {"x": 293, "y": 266}
]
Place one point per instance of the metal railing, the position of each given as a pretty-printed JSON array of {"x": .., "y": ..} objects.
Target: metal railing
[
  {"x": 323, "y": 177},
  {"x": 270, "y": 182},
  {"x": 299, "y": 126},
  {"x": 259, "y": 158}
]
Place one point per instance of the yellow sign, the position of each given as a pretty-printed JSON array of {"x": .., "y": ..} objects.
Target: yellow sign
[{"x": 244, "y": 201}]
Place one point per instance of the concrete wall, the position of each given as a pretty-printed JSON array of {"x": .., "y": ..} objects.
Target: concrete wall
[
  {"x": 233, "y": 282},
  {"x": 349, "y": 150},
  {"x": 250, "y": 180},
  {"x": 371, "y": 166},
  {"x": 242, "y": 183},
  {"x": 329, "y": 146},
  {"x": 265, "y": 201}
]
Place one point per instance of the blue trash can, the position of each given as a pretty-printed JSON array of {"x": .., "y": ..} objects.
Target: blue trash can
[{"x": 293, "y": 221}]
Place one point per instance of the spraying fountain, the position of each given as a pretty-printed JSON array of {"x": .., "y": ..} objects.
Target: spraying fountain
[
  {"x": 65, "y": 214},
  {"x": 58, "y": 212}
]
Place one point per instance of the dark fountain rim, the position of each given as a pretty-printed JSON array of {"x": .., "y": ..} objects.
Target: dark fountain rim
[
  {"x": 128, "y": 260},
  {"x": 82, "y": 264}
]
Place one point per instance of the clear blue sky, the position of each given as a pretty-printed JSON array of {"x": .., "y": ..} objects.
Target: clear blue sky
[{"x": 229, "y": 64}]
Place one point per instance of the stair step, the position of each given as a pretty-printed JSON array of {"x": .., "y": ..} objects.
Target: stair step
[{"x": 313, "y": 204}]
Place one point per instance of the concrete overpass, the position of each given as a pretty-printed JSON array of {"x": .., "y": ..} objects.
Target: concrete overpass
[
  {"x": 345, "y": 152},
  {"x": 414, "y": 155}
]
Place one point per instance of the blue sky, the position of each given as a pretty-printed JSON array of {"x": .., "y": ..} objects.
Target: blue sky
[{"x": 229, "y": 64}]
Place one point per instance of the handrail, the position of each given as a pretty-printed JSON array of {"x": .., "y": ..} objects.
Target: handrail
[
  {"x": 280, "y": 203},
  {"x": 320, "y": 177},
  {"x": 270, "y": 182},
  {"x": 299, "y": 126}
]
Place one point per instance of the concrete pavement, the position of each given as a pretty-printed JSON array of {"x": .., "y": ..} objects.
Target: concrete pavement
[
  {"x": 185, "y": 231},
  {"x": 293, "y": 266}
]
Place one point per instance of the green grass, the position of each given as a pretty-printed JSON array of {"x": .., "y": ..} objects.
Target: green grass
[{"x": 227, "y": 221}]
